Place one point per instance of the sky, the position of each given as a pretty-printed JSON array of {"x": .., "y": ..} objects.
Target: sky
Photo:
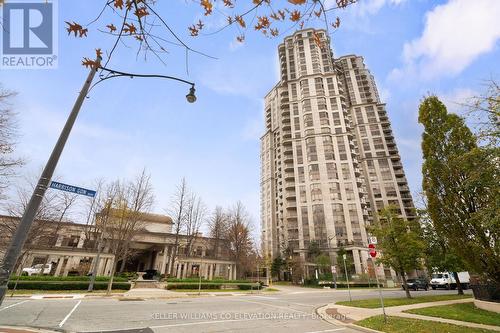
[{"x": 412, "y": 47}]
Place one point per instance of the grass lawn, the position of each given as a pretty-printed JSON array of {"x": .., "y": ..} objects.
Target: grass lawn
[
  {"x": 29, "y": 292},
  {"x": 463, "y": 311},
  {"x": 404, "y": 325},
  {"x": 373, "y": 303}
]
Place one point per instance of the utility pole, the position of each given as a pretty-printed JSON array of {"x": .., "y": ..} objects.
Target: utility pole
[
  {"x": 347, "y": 277},
  {"x": 19, "y": 238}
]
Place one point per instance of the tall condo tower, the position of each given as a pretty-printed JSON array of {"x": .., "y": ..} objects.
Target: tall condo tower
[{"x": 328, "y": 156}]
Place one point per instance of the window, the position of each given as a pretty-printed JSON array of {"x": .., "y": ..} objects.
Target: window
[
  {"x": 328, "y": 147},
  {"x": 349, "y": 191},
  {"x": 303, "y": 194},
  {"x": 321, "y": 103},
  {"x": 331, "y": 171},
  {"x": 334, "y": 189},
  {"x": 316, "y": 192},
  {"x": 346, "y": 173},
  {"x": 298, "y": 152},
  {"x": 301, "y": 174},
  {"x": 312, "y": 153},
  {"x": 308, "y": 120},
  {"x": 313, "y": 172},
  {"x": 323, "y": 118}
]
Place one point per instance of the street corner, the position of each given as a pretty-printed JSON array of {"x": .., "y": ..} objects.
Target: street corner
[
  {"x": 332, "y": 315},
  {"x": 11, "y": 329}
]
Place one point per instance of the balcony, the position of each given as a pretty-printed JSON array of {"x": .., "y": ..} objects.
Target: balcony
[{"x": 288, "y": 167}]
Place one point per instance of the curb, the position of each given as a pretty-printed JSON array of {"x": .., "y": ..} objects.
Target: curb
[
  {"x": 23, "y": 329},
  {"x": 363, "y": 329}
]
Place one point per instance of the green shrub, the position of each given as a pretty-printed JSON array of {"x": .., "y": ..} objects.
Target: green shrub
[
  {"x": 67, "y": 285},
  {"x": 249, "y": 286},
  {"x": 66, "y": 278},
  {"x": 174, "y": 286}
]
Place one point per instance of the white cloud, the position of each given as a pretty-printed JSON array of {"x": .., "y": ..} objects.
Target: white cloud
[
  {"x": 455, "y": 99},
  {"x": 455, "y": 34}
]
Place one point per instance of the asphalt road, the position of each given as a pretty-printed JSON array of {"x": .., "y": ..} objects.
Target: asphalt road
[{"x": 292, "y": 310}]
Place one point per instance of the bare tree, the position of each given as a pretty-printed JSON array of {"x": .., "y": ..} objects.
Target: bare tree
[
  {"x": 178, "y": 210},
  {"x": 195, "y": 218},
  {"x": 238, "y": 239},
  {"x": 217, "y": 228},
  {"x": 8, "y": 133},
  {"x": 55, "y": 207}
]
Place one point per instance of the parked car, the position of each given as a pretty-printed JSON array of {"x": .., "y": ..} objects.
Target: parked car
[
  {"x": 446, "y": 280},
  {"x": 416, "y": 284},
  {"x": 38, "y": 269}
]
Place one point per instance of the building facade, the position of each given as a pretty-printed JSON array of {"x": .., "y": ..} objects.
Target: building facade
[
  {"x": 328, "y": 156},
  {"x": 71, "y": 249}
]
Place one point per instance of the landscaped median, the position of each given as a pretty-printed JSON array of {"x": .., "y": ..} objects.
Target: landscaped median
[
  {"x": 462, "y": 311},
  {"x": 404, "y": 325},
  {"x": 451, "y": 313},
  {"x": 187, "y": 285},
  {"x": 374, "y": 303},
  {"x": 67, "y": 283}
]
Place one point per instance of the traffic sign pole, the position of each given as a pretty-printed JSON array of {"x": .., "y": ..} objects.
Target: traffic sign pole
[
  {"x": 373, "y": 254},
  {"x": 347, "y": 278}
]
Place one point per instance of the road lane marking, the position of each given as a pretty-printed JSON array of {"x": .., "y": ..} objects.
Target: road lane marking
[
  {"x": 276, "y": 306},
  {"x": 332, "y": 330},
  {"x": 264, "y": 297},
  {"x": 207, "y": 322},
  {"x": 70, "y": 313},
  {"x": 12, "y": 305}
]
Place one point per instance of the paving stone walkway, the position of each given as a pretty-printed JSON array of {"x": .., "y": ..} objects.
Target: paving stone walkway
[{"x": 346, "y": 315}]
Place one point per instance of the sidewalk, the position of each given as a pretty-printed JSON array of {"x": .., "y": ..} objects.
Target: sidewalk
[
  {"x": 347, "y": 315},
  {"x": 10, "y": 329}
]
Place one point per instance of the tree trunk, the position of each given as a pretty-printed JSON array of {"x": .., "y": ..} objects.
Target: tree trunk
[
  {"x": 459, "y": 285},
  {"x": 124, "y": 260},
  {"x": 110, "y": 283},
  {"x": 405, "y": 285}
]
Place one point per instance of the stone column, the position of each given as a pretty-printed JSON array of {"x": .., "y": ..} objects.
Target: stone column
[
  {"x": 100, "y": 269},
  {"x": 210, "y": 271},
  {"x": 59, "y": 240},
  {"x": 81, "y": 240},
  {"x": 234, "y": 272},
  {"x": 59, "y": 266},
  {"x": 229, "y": 272},
  {"x": 357, "y": 261},
  {"x": 178, "y": 274},
  {"x": 165, "y": 258}
]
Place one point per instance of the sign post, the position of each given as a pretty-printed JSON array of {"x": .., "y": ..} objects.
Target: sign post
[
  {"x": 334, "y": 275},
  {"x": 347, "y": 277},
  {"x": 373, "y": 254}
]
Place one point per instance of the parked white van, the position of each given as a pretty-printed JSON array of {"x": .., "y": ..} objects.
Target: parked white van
[
  {"x": 447, "y": 280},
  {"x": 37, "y": 270}
]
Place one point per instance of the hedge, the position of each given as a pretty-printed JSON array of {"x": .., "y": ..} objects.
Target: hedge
[
  {"x": 212, "y": 285},
  {"x": 175, "y": 286},
  {"x": 66, "y": 278},
  {"x": 75, "y": 285},
  {"x": 187, "y": 280}
]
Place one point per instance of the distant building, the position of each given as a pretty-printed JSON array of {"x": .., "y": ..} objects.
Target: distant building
[
  {"x": 328, "y": 157},
  {"x": 71, "y": 248}
]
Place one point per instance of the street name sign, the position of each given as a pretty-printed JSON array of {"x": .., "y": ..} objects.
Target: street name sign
[{"x": 72, "y": 189}]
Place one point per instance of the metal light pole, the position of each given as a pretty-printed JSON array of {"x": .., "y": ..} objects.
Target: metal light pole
[
  {"x": 347, "y": 277},
  {"x": 14, "y": 250}
]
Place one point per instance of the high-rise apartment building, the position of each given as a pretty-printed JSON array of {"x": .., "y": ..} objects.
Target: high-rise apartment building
[{"x": 328, "y": 157}]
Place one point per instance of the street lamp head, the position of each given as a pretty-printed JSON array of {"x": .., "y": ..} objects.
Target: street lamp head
[{"x": 191, "y": 97}]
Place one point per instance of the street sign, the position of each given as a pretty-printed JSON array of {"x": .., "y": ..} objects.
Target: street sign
[
  {"x": 334, "y": 269},
  {"x": 372, "y": 240},
  {"x": 344, "y": 256},
  {"x": 72, "y": 189},
  {"x": 372, "y": 251}
]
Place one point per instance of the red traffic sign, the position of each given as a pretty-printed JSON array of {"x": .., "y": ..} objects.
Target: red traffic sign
[{"x": 372, "y": 251}]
